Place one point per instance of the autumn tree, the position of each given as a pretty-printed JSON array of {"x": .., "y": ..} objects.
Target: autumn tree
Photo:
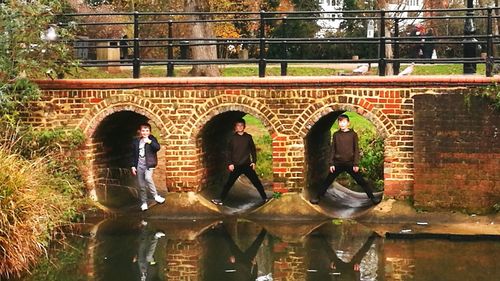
[{"x": 297, "y": 28}]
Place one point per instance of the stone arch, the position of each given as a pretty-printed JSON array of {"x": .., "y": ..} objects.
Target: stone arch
[{"x": 106, "y": 109}]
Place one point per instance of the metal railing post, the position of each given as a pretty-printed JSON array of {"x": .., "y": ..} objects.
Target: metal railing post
[
  {"x": 489, "y": 45},
  {"x": 284, "y": 49},
  {"x": 170, "y": 50},
  {"x": 136, "y": 65},
  {"x": 381, "y": 61},
  {"x": 470, "y": 44},
  {"x": 396, "y": 64},
  {"x": 262, "y": 46}
]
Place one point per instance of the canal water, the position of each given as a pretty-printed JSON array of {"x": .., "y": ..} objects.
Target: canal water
[{"x": 135, "y": 248}]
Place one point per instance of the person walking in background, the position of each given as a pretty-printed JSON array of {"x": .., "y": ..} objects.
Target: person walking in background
[
  {"x": 429, "y": 44},
  {"x": 241, "y": 159},
  {"x": 124, "y": 48},
  {"x": 418, "y": 46},
  {"x": 144, "y": 160},
  {"x": 345, "y": 158}
]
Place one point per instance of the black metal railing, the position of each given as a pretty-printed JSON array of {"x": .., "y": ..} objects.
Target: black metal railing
[{"x": 271, "y": 39}]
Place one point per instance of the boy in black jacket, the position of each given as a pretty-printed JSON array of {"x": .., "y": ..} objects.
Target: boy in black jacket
[
  {"x": 345, "y": 158},
  {"x": 241, "y": 159},
  {"x": 144, "y": 161}
]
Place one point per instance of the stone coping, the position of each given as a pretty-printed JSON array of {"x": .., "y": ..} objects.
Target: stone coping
[{"x": 274, "y": 81}]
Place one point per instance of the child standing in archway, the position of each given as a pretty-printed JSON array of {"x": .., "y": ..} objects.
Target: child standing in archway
[
  {"x": 345, "y": 158},
  {"x": 241, "y": 159},
  {"x": 144, "y": 162}
]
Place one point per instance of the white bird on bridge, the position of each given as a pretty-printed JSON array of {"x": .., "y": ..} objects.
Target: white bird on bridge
[
  {"x": 407, "y": 71},
  {"x": 361, "y": 69}
]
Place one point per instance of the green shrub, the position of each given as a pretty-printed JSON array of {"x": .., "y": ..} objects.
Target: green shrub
[
  {"x": 41, "y": 190},
  {"x": 30, "y": 208}
]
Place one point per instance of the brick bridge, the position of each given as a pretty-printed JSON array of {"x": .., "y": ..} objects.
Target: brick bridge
[{"x": 441, "y": 143}]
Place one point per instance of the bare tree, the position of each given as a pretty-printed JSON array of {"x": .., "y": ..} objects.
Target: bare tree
[{"x": 201, "y": 30}]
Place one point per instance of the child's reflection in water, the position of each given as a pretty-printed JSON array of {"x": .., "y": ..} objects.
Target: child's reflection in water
[
  {"x": 148, "y": 240},
  {"x": 226, "y": 261},
  {"x": 324, "y": 264}
]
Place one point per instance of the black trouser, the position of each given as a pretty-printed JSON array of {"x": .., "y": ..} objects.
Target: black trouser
[
  {"x": 348, "y": 169},
  {"x": 251, "y": 175}
]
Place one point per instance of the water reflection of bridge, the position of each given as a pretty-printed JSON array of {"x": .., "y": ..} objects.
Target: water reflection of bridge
[
  {"x": 232, "y": 250},
  {"x": 209, "y": 250}
]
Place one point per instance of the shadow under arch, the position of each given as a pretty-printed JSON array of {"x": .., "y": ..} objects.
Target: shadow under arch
[
  {"x": 211, "y": 145},
  {"x": 110, "y": 147},
  {"x": 339, "y": 201}
]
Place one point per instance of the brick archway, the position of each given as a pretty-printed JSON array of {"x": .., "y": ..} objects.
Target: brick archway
[
  {"x": 224, "y": 103},
  {"x": 133, "y": 103},
  {"x": 384, "y": 125},
  {"x": 227, "y": 112},
  {"x": 111, "y": 107},
  {"x": 315, "y": 111}
]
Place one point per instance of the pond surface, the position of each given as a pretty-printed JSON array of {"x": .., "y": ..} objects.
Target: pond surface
[{"x": 139, "y": 249}]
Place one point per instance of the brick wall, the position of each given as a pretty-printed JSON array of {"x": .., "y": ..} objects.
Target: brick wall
[
  {"x": 288, "y": 107},
  {"x": 457, "y": 152}
]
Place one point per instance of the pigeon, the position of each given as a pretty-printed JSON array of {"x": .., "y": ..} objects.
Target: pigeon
[
  {"x": 407, "y": 71},
  {"x": 361, "y": 69},
  {"x": 50, "y": 34}
]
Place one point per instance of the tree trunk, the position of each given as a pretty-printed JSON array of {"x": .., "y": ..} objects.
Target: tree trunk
[
  {"x": 201, "y": 30},
  {"x": 389, "y": 70}
]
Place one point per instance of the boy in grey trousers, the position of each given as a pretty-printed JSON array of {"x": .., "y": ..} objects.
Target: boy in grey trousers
[{"x": 144, "y": 161}]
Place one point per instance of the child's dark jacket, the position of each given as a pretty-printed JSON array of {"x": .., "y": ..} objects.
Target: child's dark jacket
[
  {"x": 241, "y": 150},
  {"x": 150, "y": 151},
  {"x": 345, "y": 149}
]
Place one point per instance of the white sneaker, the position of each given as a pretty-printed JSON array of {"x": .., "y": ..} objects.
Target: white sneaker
[
  {"x": 159, "y": 234},
  {"x": 144, "y": 206},
  {"x": 159, "y": 199}
]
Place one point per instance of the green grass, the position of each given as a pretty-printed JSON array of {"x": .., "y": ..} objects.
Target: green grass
[
  {"x": 244, "y": 71},
  {"x": 437, "y": 69},
  {"x": 449, "y": 69},
  {"x": 263, "y": 142},
  {"x": 271, "y": 70}
]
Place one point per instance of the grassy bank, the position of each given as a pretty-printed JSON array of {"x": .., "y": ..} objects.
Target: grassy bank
[
  {"x": 263, "y": 143},
  {"x": 39, "y": 193},
  {"x": 271, "y": 70}
]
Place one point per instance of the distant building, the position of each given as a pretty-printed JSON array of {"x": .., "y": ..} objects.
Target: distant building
[{"x": 333, "y": 17}]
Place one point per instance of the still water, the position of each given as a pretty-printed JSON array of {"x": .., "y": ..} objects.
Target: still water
[{"x": 138, "y": 249}]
